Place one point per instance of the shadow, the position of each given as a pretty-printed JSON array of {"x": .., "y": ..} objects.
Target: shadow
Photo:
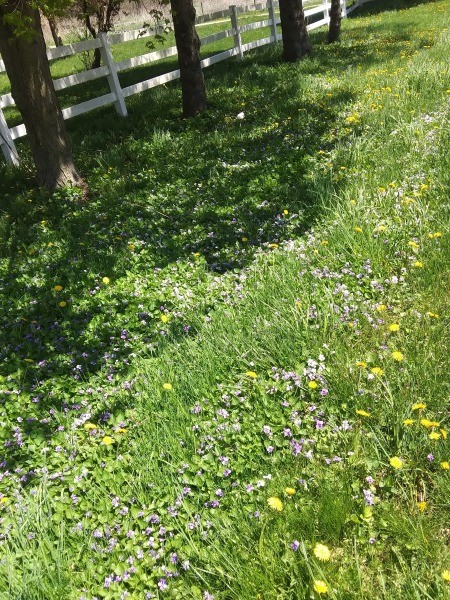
[{"x": 162, "y": 190}]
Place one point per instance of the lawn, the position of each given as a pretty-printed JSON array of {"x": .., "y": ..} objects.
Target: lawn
[{"x": 225, "y": 375}]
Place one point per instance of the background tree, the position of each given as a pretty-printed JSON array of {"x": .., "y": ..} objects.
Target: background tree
[
  {"x": 188, "y": 46},
  {"x": 98, "y": 17},
  {"x": 54, "y": 30},
  {"x": 23, "y": 51},
  {"x": 293, "y": 26},
  {"x": 334, "y": 29}
]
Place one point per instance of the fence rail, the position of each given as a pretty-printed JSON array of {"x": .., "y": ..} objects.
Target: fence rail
[{"x": 110, "y": 69}]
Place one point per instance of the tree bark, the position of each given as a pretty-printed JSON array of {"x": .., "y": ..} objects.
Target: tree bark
[
  {"x": 293, "y": 26},
  {"x": 32, "y": 88},
  {"x": 188, "y": 46},
  {"x": 334, "y": 29},
  {"x": 54, "y": 31}
]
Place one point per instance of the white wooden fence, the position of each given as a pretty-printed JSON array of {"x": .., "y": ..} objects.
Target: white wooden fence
[{"x": 110, "y": 69}]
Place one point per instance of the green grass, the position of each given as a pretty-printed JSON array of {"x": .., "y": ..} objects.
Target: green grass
[{"x": 244, "y": 259}]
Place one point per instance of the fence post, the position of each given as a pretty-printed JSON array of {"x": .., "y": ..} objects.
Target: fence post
[
  {"x": 113, "y": 79},
  {"x": 344, "y": 8},
  {"x": 237, "y": 31},
  {"x": 273, "y": 20},
  {"x": 326, "y": 12},
  {"x": 7, "y": 143}
]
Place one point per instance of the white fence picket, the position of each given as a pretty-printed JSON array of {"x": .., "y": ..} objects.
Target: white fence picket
[{"x": 111, "y": 68}]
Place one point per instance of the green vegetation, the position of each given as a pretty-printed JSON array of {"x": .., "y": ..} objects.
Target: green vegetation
[{"x": 226, "y": 374}]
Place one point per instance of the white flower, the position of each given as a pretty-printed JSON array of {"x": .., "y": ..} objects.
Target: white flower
[{"x": 241, "y": 115}]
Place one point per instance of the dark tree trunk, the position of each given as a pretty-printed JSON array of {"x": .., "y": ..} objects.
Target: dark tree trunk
[
  {"x": 54, "y": 31},
  {"x": 293, "y": 27},
  {"x": 334, "y": 29},
  {"x": 188, "y": 45},
  {"x": 28, "y": 70}
]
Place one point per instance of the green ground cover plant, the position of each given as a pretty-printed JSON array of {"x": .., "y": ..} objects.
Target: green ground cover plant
[{"x": 226, "y": 374}]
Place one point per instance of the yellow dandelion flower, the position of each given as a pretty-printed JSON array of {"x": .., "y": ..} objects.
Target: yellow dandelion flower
[
  {"x": 120, "y": 430},
  {"x": 432, "y": 315},
  {"x": 107, "y": 440},
  {"x": 422, "y": 506},
  {"x": 361, "y": 363},
  {"x": 251, "y": 374},
  {"x": 443, "y": 433},
  {"x": 164, "y": 318},
  {"x": 89, "y": 426},
  {"x": 358, "y": 229},
  {"x": 273, "y": 245},
  {"x": 446, "y": 575},
  {"x": 445, "y": 465},
  {"x": 408, "y": 422},
  {"x": 380, "y": 228},
  {"x": 105, "y": 280},
  {"x": 398, "y": 356},
  {"x": 324, "y": 243},
  {"x": 381, "y": 307},
  {"x": 313, "y": 385},
  {"x": 434, "y": 435},
  {"x": 58, "y": 288},
  {"x": 28, "y": 360},
  {"x": 377, "y": 371},
  {"x": 322, "y": 552},
  {"x": 438, "y": 234},
  {"x": 418, "y": 406},
  {"x": 427, "y": 423},
  {"x": 63, "y": 303},
  {"x": 3, "y": 500},
  {"x": 320, "y": 586},
  {"x": 245, "y": 239},
  {"x": 167, "y": 386},
  {"x": 285, "y": 212},
  {"x": 394, "y": 327},
  {"x": 396, "y": 462},
  {"x": 131, "y": 247},
  {"x": 363, "y": 413},
  {"x": 418, "y": 264},
  {"x": 290, "y": 491},
  {"x": 275, "y": 503},
  {"x": 413, "y": 245}
]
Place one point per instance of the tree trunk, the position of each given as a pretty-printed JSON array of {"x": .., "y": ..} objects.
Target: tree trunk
[
  {"x": 32, "y": 88},
  {"x": 188, "y": 45},
  {"x": 293, "y": 27},
  {"x": 54, "y": 31},
  {"x": 334, "y": 29}
]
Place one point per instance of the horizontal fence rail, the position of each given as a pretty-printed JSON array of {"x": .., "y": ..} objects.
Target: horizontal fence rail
[{"x": 110, "y": 69}]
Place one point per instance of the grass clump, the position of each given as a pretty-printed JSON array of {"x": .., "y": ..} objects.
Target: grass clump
[{"x": 226, "y": 375}]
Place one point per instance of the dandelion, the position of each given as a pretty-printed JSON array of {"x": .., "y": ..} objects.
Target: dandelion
[
  {"x": 443, "y": 433},
  {"x": 251, "y": 374},
  {"x": 398, "y": 356},
  {"x": 358, "y": 229},
  {"x": 432, "y": 315},
  {"x": 363, "y": 413},
  {"x": 377, "y": 371},
  {"x": 164, "y": 318},
  {"x": 275, "y": 503},
  {"x": 429, "y": 424},
  {"x": 285, "y": 212},
  {"x": 105, "y": 280},
  {"x": 28, "y": 360},
  {"x": 89, "y": 426},
  {"x": 413, "y": 245},
  {"x": 320, "y": 586},
  {"x": 58, "y": 288},
  {"x": 418, "y": 406},
  {"x": 313, "y": 385},
  {"x": 396, "y": 462},
  {"x": 445, "y": 465},
  {"x": 438, "y": 234},
  {"x": 422, "y": 506},
  {"x": 3, "y": 500},
  {"x": 245, "y": 239},
  {"x": 434, "y": 435},
  {"x": 381, "y": 307},
  {"x": 63, "y": 303},
  {"x": 167, "y": 386},
  {"x": 418, "y": 264},
  {"x": 273, "y": 245},
  {"x": 290, "y": 491},
  {"x": 408, "y": 422},
  {"x": 322, "y": 552},
  {"x": 361, "y": 363},
  {"x": 445, "y": 575},
  {"x": 107, "y": 440},
  {"x": 394, "y": 327}
]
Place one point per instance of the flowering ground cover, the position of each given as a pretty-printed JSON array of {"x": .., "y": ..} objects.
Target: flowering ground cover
[{"x": 226, "y": 374}]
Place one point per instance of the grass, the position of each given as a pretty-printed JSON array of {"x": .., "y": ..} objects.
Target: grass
[{"x": 249, "y": 309}]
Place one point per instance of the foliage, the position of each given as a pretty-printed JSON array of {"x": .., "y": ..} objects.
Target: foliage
[{"x": 225, "y": 375}]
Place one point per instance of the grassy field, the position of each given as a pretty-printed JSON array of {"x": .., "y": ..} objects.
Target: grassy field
[{"x": 226, "y": 374}]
